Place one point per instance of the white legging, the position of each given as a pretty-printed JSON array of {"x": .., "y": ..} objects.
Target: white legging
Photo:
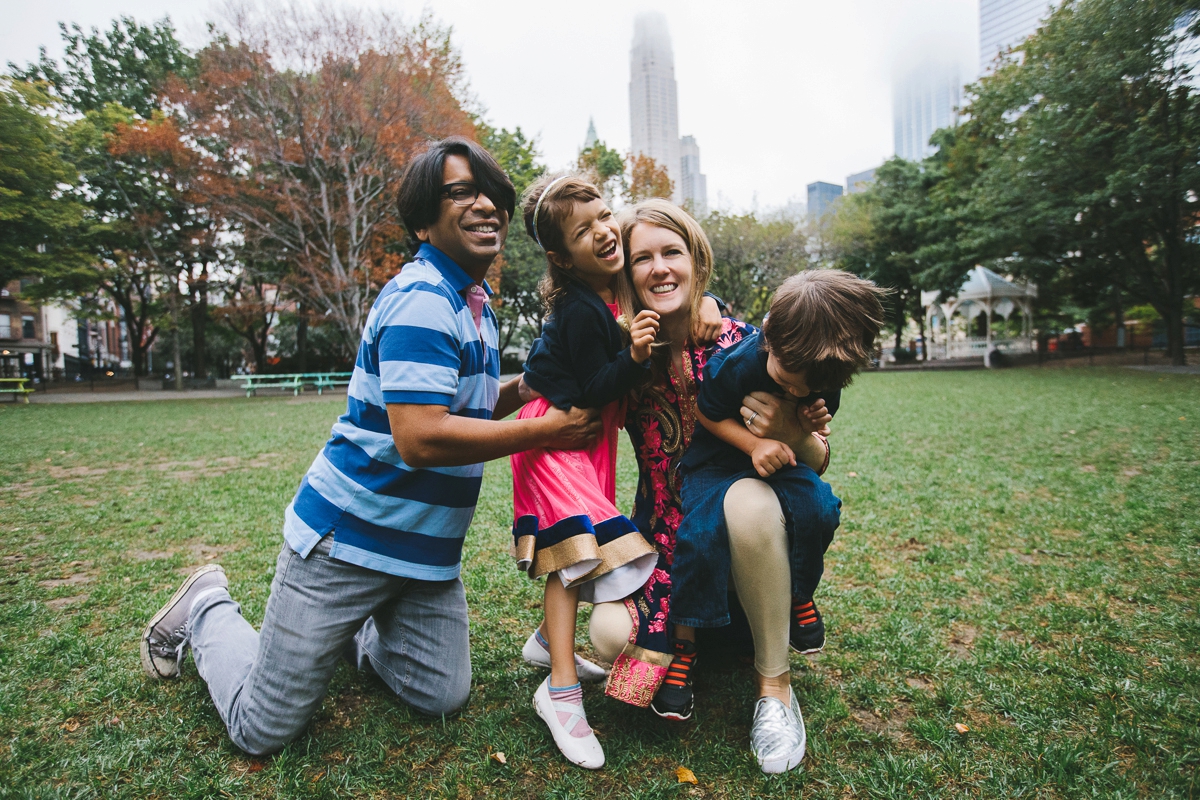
[{"x": 761, "y": 574}]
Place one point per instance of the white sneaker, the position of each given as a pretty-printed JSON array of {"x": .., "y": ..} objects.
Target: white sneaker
[
  {"x": 584, "y": 751},
  {"x": 538, "y": 656},
  {"x": 777, "y": 736}
]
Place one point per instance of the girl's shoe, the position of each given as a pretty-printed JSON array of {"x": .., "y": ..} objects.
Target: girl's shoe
[
  {"x": 535, "y": 653},
  {"x": 583, "y": 751}
]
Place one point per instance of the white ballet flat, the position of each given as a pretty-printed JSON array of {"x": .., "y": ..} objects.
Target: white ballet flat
[
  {"x": 536, "y": 655},
  {"x": 583, "y": 751}
]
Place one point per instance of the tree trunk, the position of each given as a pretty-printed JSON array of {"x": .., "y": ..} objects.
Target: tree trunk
[
  {"x": 175, "y": 354},
  {"x": 301, "y": 338},
  {"x": 924, "y": 341},
  {"x": 1119, "y": 318},
  {"x": 1175, "y": 339},
  {"x": 199, "y": 314}
]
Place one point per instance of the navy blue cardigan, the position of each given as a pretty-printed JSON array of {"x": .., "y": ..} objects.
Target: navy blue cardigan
[{"x": 581, "y": 358}]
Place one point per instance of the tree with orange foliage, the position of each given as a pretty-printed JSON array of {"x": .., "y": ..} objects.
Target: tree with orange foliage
[
  {"x": 306, "y": 121},
  {"x": 647, "y": 179}
]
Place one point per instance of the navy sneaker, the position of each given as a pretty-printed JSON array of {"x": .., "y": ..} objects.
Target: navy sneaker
[
  {"x": 674, "y": 698},
  {"x": 807, "y": 634}
]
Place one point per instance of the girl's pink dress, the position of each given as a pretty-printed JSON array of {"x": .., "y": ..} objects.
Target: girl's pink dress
[{"x": 566, "y": 520}]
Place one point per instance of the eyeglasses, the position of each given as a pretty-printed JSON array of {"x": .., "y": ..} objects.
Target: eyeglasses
[{"x": 461, "y": 194}]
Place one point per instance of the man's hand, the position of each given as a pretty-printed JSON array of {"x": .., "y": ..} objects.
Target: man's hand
[
  {"x": 575, "y": 429},
  {"x": 769, "y": 456},
  {"x": 706, "y": 327},
  {"x": 814, "y": 418},
  {"x": 642, "y": 334}
]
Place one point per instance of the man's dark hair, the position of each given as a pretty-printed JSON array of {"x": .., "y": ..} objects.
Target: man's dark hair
[{"x": 420, "y": 195}]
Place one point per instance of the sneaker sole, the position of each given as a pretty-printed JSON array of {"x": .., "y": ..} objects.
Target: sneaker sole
[
  {"x": 672, "y": 715},
  {"x": 807, "y": 652},
  {"x": 780, "y": 765},
  {"x": 147, "y": 660}
]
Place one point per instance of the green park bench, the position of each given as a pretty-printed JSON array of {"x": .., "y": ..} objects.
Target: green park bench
[
  {"x": 295, "y": 381},
  {"x": 15, "y": 387}
]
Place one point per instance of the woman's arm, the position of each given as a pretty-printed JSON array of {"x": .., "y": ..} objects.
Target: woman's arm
[
  {"x": 767, "y": 455},
  {"x": 773, "y": 417}
]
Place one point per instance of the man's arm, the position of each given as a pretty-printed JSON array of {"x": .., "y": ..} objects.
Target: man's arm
[
  {"x": 509, "y": 400},
  {"x": 430, "y": 436}
]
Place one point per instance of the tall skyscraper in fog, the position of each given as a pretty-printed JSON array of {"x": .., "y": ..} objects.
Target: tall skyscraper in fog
[
  {"x": 924, "y": 99},
  {"x": 653, "y": 108},
  {"x": 693, "y": 185},
  {"x": 1004, "y": 23}
]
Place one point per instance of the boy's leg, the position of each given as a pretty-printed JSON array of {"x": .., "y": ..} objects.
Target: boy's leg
[
  {"x": 418, "y": 644},
  {"x": 267, "y": 686}
]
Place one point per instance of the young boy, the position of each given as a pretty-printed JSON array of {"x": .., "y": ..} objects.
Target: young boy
[{"x": 820, "y": 331}]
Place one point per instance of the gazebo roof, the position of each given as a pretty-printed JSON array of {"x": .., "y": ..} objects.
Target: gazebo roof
[{"x": 982, "y": 284}]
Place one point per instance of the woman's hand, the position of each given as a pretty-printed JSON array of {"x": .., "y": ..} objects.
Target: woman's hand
[
  {"x": 642, "y": 333},
  {"x": 769, "y": 416},
  {"x": 707, "y": 325}
]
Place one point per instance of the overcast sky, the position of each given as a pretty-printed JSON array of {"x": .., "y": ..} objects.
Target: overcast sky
[{"x": 777, "y": 94}]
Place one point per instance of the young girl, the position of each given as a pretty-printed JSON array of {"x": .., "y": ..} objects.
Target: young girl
[{"x": 567, "y": 527}]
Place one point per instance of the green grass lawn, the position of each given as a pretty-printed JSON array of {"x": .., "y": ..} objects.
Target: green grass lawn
[{"x": 1019, "y": 554}]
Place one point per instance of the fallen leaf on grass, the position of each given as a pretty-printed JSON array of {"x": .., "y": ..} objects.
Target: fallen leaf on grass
[
  {"x": 318, "y": 776},
  {"x": 958, "y": 726},
  {"x": 685, "y": 775},
  {"x": 255, "y": 766},
  {"x": 1087, "y": 468},
  {"x": 70, "y": 726},
  {"x": 851, "y": 474},
  {"x": 499, "y": 758}
]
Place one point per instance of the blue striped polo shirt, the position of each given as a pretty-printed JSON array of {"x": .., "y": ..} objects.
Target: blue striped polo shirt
[{"x": 420, "y": 346}]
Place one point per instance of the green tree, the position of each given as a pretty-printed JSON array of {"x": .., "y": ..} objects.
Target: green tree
[
  {"x": 1087, "y": 157},
  {"x": 604, "y": 167},
  {"x": 751, "y": 257},
  {"x": 522, "y": 264},
  {"x": 40, "y": 222}
]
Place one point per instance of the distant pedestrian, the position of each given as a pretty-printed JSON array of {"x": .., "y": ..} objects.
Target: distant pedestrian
[{"x": 369, "y": 570}]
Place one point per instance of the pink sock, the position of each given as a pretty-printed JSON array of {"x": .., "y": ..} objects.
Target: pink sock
[{"x": 574, "y": 695}]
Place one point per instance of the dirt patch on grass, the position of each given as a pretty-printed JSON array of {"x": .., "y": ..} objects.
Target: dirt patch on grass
[
  {"x": 150, "y": 555},
  {"x": 962, "y": 640},
  {"x": 212, "y": 468},
  {"x": 71, "y": 580},
  {"x": 894, "y": 726},
  {"x": 200, "y": 553},
  {"x": 60, "y": 603}
]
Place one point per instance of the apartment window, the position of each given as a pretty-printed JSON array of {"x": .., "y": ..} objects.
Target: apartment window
[
  {"x": 27, "y": 331},
  {"x": 5, "y": 326}
]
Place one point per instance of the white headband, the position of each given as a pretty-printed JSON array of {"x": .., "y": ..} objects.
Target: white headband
[{"x": 538, "y": 207}]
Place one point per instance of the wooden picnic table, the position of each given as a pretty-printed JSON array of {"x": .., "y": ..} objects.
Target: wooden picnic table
[{"x": 15, "y": 387}]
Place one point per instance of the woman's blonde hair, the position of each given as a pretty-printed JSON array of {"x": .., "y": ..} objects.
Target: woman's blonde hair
[
  {"x": 665, "y": 214},
  {"x": 555, "y": 207}
]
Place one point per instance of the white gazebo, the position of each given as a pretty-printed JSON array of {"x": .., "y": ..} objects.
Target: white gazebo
[{"x": 983, "y": 292}]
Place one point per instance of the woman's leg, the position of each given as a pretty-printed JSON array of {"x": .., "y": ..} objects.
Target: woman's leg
[
  {"x": 610, "y": 629},
  {"x": 758, "y": 546}
]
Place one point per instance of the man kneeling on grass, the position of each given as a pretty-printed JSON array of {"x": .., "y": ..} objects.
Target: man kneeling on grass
[{"x": 369, "y": 569}]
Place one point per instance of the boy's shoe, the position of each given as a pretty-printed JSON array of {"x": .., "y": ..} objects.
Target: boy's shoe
[
  {"x": 166, "y": 637},
  {"x": 807, "y": 633},
  {"x": 777, "y": 736},
  {"x": 536, "y": 654},
  {"x": 583, "y": 751},
  {"x": 673, "y": 700}
]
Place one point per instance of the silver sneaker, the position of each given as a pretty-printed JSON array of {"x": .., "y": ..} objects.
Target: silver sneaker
[
  {"x": 166, "y": 637},
  {"x": 777, "y": 736}
]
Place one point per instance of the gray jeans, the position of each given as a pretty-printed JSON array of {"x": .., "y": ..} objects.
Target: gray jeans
[{"x": 268, "y": 685}]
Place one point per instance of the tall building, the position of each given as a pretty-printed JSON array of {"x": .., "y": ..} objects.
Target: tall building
[
  {"x": 653, "y": 107},
  {"x": 693, "y": 185},
  {"x": 1004, "y": 23},
  {"x": 923, "y": 100},
  {"x": 591, "y": 137},
  {"x": 821, "y": 196},
  {"x": 859, "y": 181}
]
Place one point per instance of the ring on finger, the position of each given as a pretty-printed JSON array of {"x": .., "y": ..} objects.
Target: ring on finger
[{"x": 750, "y": 419}]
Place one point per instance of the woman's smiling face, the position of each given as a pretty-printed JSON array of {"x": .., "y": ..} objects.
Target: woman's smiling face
[{"x": 661, "y": 270}]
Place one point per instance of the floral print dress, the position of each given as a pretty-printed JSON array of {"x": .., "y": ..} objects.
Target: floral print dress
[{"x": 660, "y": 419}]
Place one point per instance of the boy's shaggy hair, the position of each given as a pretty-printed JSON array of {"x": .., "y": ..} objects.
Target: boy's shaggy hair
[
  {"x": 553, "y": 213},
  {"x": 824, "y": 322}
]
